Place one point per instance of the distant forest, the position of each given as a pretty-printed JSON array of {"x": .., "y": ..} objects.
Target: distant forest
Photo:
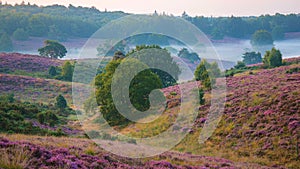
[{"x": 60, "y": 22}]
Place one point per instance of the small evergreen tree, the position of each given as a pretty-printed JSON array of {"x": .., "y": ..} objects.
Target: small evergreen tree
[
  {"x": 240, "y": 65},
  {"x": 273, "y": 58},
  {"x": 252, "y": 58},
  {"x": 201, "y": 96},
  {"x": 61, "y": 102},
  {"x": 67, "y": 71},
  {"x": 207, "y": 73},
  {"x": 52, "y": 71}
]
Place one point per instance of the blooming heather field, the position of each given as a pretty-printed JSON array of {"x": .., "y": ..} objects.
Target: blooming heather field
[
  {"x": 34, "y": 89},
  {"x": 52, "y": 152},
  {"x": 260, "y": 127},
  {"x": 22, "y": 64}
]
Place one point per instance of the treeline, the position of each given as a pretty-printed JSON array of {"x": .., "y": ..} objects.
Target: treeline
[
  {"x": 56, "y": 21},
  {"x": 244, "y": 27}
]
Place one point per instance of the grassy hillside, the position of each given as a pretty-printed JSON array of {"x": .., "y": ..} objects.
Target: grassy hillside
[
  {"x": 260, "y": 126},
  {"x": 261, "y": 121},
  {"x": 53, "y": 152}
]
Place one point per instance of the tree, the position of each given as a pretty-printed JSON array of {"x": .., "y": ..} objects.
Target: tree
[
  {"x": 262, "y": 37},
  {"x": 55, "y": 33},
  {"x": 252, "y": 58},
  {"x": 6, "y": 44},
  {"x": 61, "y": 102},
  {"x": 207, "y": 73},
  {"x": 278, "y": 33},
  {"x": 162, "y": 57},
  {"x": 139, "y": 89},
  {"x": 201, "y": 97},
  {"x": 67, "y": 71},
  {"x": 273, "y": 58},
  {"x": 52, "y": 71},
  {"x": 47, "y": 117},
  {"x": 20, "y": 34},
  {"x": 240, "y": 65},
  {"x": 53, "y": 49},
  {"x": 184, "y": 53},
  {"x": 118, "y": 55}
]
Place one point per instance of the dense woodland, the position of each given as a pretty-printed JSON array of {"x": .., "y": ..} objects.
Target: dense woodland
[{"x": 60, "y": 22}]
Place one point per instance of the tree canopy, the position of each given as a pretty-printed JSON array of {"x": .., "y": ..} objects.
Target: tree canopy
[
  {"x": 53, "y": 49},
  {"x": 252, "y": 58},
  {"x": 162, "y": 57},
  {"x": 191, "y": 56},
  {"x": 139, "y": 89},
  {"x": 262, "y": 37},
  {"x": 46, "y": 21}
]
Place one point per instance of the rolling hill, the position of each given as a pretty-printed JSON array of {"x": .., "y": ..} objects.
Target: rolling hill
[{"x": 260, "y": 127}]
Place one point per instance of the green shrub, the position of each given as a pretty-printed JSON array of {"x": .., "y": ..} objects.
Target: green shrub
[
  {"x": 61, "y": 102},
  {"x": 293, "y": 70},
  {"x": 273, "y": 58},
  {"x": 52, "y": 71}
]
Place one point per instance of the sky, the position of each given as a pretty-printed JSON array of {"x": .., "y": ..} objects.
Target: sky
[{"x": 176, "y": 7}]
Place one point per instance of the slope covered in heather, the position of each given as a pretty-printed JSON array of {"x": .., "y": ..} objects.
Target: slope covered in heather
[
  {"x": 260, "y": 124},
  {"x": 53, "y": 152},
  {"x": 23, "y": 64}
]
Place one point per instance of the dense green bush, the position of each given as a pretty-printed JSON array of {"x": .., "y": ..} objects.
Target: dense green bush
[
  {"x": 250, "y": 58},
  {"x": 207, "y": 73},
  {"x": 17, "y": 117},
  {"x": 273, "y": 58},
  {"x": 67, "y": 71},
  {"x": 61, "y": 102},
  {"x": 52, "y": 71},
  {"x": 240, "y": 65}
]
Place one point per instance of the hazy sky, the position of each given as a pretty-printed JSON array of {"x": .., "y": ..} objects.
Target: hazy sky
[{"x": 192, "y": 7}]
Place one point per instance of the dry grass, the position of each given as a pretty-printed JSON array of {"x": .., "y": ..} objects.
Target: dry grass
[
  {"x": 15, "y": 157},
  {"x": 50, "y": 141}
]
